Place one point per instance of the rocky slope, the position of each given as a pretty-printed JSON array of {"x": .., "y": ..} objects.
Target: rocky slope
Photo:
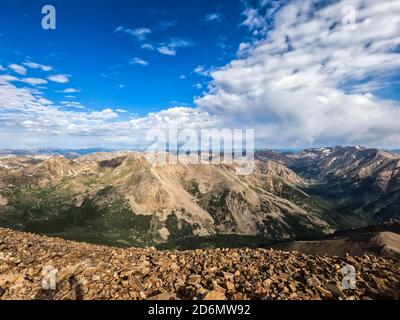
[
  {"x": 356, "y": 180},
  {"x": 95, "y": 272},
  {"x": 382, "y": 240},
  {"x": 121, "y": 198}
]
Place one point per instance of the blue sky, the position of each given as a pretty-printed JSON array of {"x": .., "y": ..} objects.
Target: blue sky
[
  {"x": 300, "y": 73},
  {"x": 100, "y": 60}
]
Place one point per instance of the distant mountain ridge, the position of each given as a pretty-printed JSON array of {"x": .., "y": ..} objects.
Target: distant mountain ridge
[
  {"x": 68, "y": 153},
  {"x": 120, "y": 198}
]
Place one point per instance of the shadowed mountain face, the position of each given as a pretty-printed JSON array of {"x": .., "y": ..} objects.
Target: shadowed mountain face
[
  {"x": 122, "y": 199},
  {"x": 357, "y": 180}
]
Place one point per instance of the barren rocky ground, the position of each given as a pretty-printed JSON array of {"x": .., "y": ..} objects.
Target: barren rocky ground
[{"x": 96, "y": 272}]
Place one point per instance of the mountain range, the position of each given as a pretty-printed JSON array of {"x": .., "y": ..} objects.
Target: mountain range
[{"x": 120, "y": 198}]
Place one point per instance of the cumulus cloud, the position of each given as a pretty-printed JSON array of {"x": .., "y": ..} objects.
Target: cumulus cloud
[
  {"x": 139, "y": 61},
  {"x": 31, "y": 81},
  {"x": 69, "y": 90},
  {"x": 72, "y": 104},
  {"x": 307, "y": 79},
  {"x": 7, "y": 77},
  {"x": 171, "y": 47},
  {"x": 18, "y": 69},
  {"x": 34, "y": 65},
  {"x": 202, "y": 71},
  {"x": 44, "y": 101},
  {"x": 295, "y": 85},
  {"x": 166, "y": 51},
  {"x": 139, "y": 34},
  {"x": 214, "y": 17},
  {"x": 34, "y": 81},
  {"x": 147, "y": 46},
  {"x": 37, "y": 121},
  {"x": 258, "y": 19},
  {"x": 59, "y": 78},
  {"x": 26, "y": 109}
]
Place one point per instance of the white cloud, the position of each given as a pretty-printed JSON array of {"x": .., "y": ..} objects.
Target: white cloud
[
  {"x": 7, "y": 77},
  {"x": 253, "y": 20},
  {"x": 171, "y": 47},
  {"x": 71, "y": 104},
  {"x": 305, "y": 82},
  {"x": 295, "y": 87},
  {"x": 139, "y": 61},
  {"x": 2, "y": 68},
  {"x": 182, "y": 77},
  {"x": 34, "y": 65},
  {"x": 34, "y": 121},
  {"x": 21, "y": 109},
  {"x": 139, "y": 34},
  {"x": 69, "y": 90},
  {"x": 31, "y": 81},
  {"x": 18, "y": 69},
  {"x": 34, "y": 81},
  {"x": 216, "y": 16},
  {"x": 44, "y": 101},
  {"x": 166, "y": 51},
  {"x": 147, "y": 46},
  {"x": 59, "y": 78},
  {"x": 202, "y": 71}
]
